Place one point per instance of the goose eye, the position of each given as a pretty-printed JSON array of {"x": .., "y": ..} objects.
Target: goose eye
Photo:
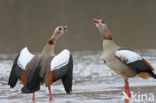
[
  {"x": 102, "y": 21},
  {"x": 60, "y": 28}
]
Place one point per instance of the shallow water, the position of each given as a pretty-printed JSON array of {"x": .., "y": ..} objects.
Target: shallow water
[{"x": 93, "y": 82}]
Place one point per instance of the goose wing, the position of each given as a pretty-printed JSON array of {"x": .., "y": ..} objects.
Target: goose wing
[
  {"x": 19, "y": 65},
  {"x": 135, "y": 61},
  {"x": 61, "y": 67}
]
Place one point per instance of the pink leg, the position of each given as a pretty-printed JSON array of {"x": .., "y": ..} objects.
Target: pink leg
[
  {"x": 50, "y": 95},
  {"x": 127, "y": 89},
  {"x": 33, "y": 97}
]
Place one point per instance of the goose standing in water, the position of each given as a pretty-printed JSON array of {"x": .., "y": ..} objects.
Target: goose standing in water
[
  {"x": 122, "y": 61},
  {"x": 47, "y": 68}
]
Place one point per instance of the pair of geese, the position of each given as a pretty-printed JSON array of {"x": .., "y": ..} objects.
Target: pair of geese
[{"x": 34, "y": 70}]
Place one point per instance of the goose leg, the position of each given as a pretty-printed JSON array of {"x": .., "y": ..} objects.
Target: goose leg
[
  {"x": 127, "y": 91},
  {"x": 50, "y": 94},
  {"x": 33, "y": 97}
]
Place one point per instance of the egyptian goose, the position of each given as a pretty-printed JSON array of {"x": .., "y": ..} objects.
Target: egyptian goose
[
  {"x": 123, "y": 61},
  {"x": 47, "y": 68}
]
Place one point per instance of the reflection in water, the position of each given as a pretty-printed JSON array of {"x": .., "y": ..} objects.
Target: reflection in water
[{"x": 31, "y": 22}]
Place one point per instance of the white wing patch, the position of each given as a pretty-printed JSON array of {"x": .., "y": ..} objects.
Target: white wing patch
[
  {"x": 127, "y": 56},
  {"x": 60, "y": 60},
  {"x": 24, "y": 58}
]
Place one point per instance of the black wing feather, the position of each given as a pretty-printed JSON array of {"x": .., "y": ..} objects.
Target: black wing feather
[
  {"x": 15, "y": 73},
  {"x": 140, "y": 66},
  {"x": 67, "y": 79},
  {"x": 65, "y": 73}
]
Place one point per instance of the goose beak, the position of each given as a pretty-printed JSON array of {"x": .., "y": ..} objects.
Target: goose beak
[
  {"x": 95, "y": 20},
  {"x": 65, "y": 28}
]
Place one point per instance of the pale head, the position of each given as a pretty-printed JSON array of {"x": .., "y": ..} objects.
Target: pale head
[
  {"x": 102, "y": 27},
  {"x": 59, "y": 31}
]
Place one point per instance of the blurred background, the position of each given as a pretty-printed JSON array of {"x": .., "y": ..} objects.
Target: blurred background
[{"x": 31, "y": 22}]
